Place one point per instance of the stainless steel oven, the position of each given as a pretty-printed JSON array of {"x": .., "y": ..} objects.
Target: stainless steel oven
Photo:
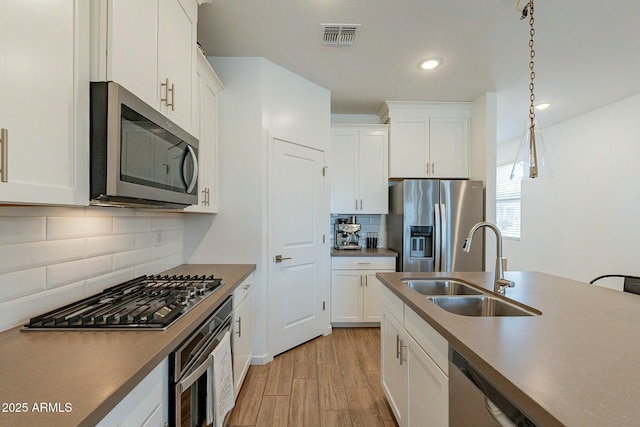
[
  {"x": 188, "y": 389},
  {"x": 138, "y": 156}
]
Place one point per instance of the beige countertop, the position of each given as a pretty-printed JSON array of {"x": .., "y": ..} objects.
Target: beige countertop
[
  {"x": 94, "y": 370},
  {"x": 576, "y": 364},
  {"x": 381, "y": 252}
]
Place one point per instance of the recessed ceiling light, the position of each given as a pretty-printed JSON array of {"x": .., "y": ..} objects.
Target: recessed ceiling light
[
  {"x": 430, "y": 64},
  {"x": 543, "y": 106}
]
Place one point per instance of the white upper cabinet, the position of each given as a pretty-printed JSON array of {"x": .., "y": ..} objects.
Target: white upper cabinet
[
  {"x": 44, "y": 102},
  {"x": 359, "y": 169},
  {"x": 428, "y": 139},
  {"x": 149, "y": 48},
  {"x": 206, "y": 110}
]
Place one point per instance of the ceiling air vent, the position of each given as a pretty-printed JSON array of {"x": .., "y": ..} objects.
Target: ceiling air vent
[{"x": 339, "y": 35}]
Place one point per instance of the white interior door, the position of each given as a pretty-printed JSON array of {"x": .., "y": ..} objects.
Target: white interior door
[{"x": 297, "y": 284}]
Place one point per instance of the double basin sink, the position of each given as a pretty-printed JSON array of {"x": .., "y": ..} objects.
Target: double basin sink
[{"x": 460, "y": 298}]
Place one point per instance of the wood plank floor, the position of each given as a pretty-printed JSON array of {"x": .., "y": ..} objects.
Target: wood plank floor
[{"x": 331, "y": 381}]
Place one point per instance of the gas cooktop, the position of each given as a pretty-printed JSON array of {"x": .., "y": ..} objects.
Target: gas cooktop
[{"x": 146, "y": 302}]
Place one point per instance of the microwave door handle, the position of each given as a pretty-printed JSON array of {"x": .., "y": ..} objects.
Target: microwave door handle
[{"x": 191, "y": 183}]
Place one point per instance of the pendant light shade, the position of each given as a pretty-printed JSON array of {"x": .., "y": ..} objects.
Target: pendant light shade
[{"x": 532, "y": 160}]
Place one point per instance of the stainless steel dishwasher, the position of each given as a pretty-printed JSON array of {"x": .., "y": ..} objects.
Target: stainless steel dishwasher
[{"x": 474, "y": 401}]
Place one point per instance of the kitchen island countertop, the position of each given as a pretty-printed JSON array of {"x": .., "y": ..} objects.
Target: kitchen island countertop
[
  {"x": 576, "y": 364},
  {"x": 93, "y": 370}
]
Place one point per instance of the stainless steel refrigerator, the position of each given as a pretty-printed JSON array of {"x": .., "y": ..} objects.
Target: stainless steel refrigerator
[{"x": 429, "y": 220}]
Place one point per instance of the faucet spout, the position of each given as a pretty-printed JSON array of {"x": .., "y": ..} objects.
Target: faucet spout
[{"x": 500, "y": 283}]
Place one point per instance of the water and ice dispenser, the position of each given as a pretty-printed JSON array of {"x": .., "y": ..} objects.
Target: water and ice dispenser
[{"x": 421, "y": 241}]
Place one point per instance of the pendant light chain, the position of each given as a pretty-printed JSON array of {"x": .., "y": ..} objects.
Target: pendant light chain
[{"x": 532, "y": 54}]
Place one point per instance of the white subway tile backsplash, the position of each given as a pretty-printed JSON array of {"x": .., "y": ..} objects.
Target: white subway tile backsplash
[
  {"x": 21, "y": 229},
  {"x": 167, "y": 250},
  {"x": 123, "y": 225},
  {"x": 151, "y": 267},
  {"x": 131, "y": 258},
  {"x": 27, "y": 255},
  {"x": 145, "y": 240},
  {"x": 21, "y": 283},
  {"x": 19, "y": 311},
  {"x": 167, "y": 223},
  {"x": 97, "y": 284},
  {"x": 70, "y": 227},
  {"x": 53, "y": 256},
  {"x": 109, "y": 244},
  {"x": 68, "y": 272}
]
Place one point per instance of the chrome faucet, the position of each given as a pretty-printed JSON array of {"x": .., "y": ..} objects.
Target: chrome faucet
[{"x": 500, "y": 283}]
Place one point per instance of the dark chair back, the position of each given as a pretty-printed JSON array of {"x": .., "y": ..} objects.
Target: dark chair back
[{"x": 631, "y": 283}]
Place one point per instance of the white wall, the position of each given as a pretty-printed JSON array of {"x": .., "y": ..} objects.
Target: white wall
[
  {"x": 259, "y": 98},
  {"x": 482, "y": 161},
  {"x": 585, "y": 221},
  {"x": 50, "y": 257}
]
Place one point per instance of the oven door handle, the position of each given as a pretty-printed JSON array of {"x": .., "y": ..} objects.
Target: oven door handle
[{"x": 188, "y": 380}]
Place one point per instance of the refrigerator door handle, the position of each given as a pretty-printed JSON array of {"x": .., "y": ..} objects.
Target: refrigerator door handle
[
  {"x": 444, "y": 248},
  {"x": 436, "y": 239}
]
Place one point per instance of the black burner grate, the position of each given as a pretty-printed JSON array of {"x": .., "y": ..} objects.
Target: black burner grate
[{"x": 152, "y": 302}]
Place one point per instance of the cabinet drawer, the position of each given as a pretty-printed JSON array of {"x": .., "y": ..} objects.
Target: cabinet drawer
[
  {"x": 428, "y": 338},
  {"x": 363, "y": 263},
  {"x": 242, "y": 291},
  {"x": 393, "y": 304}
]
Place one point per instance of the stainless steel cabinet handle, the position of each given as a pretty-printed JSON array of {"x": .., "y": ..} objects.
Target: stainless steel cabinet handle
[
  {"x": 165, "y": 86},
  {"x": 4, "y": 140},
  {"x": 360, "y": 204},
  {"x": 173, "y": 97},
  {"x": 360, "y": 280},
  {"x": 366, "y": 281},
  {"x": 239, "y": 322},
  {"x": 280, "y": 258},
  {"x": 433, "y": 168},
  {"x": 402, "y": 352},
  {"x": 356, "y": 204},
  {"x": 397, "y": 346}
]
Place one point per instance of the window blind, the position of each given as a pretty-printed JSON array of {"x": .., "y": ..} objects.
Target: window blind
[{"x": 507, "y": 202}]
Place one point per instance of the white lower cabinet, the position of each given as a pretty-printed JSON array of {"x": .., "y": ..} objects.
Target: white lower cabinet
[
  {"x": 146, "y": 404},
  {"x": 355, "y": 290},
  {"x": 241, "y": 339},
  {"x": 414, "y": 378}
]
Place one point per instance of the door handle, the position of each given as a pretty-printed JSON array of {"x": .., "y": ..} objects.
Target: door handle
[
  {"x": 279, "y": 258},
  {"x": 4, "y": 140}
]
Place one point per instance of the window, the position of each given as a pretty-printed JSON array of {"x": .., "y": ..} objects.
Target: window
[{"x": 507, "y": 203}]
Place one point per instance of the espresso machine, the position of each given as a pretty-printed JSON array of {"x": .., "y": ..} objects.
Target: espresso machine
[{"x": 346, "y": 234}]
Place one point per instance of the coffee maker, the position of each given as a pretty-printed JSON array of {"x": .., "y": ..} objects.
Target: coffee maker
[{"x": 346, "y": 234}]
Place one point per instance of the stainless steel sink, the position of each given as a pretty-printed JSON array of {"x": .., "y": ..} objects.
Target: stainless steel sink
[
  {"x": 441, "y": 287},
  {"x": 480, "y": 306}
]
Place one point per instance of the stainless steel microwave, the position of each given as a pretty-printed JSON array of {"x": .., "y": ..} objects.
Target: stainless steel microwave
[{"x": 139, "y": 158}]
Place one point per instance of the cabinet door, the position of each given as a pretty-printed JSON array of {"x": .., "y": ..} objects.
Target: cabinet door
[
  {"x": 344, "y": 146},
  {"x": 449, "y": 147},
  {"x": 373, "y": 173},
  {"x": 206, "y": 104},
  {"x": 346, "y": 295},
  {"x": 372, "y": 298},
  {"x": 242, "y": 342},
  {"x": 427, "y": 388},
  {"x": 132, "y": 41},
  {"x": 408, "y": 148},
  {"x": 44, "y": 101},
  {"x": 392, "y": 371},
  {"x": 176, "y": 59}
]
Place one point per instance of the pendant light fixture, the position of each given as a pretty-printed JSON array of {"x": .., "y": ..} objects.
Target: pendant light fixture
[{"x": 532, "y": 159}]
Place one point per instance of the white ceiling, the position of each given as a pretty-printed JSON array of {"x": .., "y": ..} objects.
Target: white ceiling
[{"x": 587, "y": 52}]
